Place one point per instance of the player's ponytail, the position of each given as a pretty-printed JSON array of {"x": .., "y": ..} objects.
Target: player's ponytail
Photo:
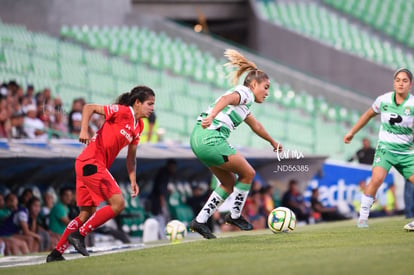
[
  {"x": 140, "y": 93},
  {"x": 236, "y": 59}
]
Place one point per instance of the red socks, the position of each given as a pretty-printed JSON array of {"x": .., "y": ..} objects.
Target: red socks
[
  {"x": 97, "y": 219},
  {"x": 63, "y": 244}
]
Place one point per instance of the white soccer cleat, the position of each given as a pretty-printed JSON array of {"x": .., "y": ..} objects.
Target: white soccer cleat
[
  {"x": 363, "y": 224},
  {"x": 409, "y": 226}
]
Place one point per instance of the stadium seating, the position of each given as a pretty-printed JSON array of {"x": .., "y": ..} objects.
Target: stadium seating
[
  {"x": 318, "y": 22},
  {"x": 185, "y": 85},
  {"x": 394, "y": 18}
]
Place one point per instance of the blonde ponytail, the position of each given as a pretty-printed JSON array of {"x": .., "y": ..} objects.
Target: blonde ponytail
[{"x": 236, "y": 59}]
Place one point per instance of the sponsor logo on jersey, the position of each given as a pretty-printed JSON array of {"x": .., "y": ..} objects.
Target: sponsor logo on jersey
[
  {"x": 126, "y": 135},
  {"x": 113, "y": 108}
]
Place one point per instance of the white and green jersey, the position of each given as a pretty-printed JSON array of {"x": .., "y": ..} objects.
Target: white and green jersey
[
  {"x": 397, "y": 123},
  {"x": 232, "y": 115}
]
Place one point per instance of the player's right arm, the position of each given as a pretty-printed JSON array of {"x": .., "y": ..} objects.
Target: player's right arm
[
  {"x": 362, "y": 121},
  {"x": 87, "y": 112},
  {"x": 227, "y": 99}
]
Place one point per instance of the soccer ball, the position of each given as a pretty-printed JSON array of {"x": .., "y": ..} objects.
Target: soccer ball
[
  {"x": 175, "y": 231},
  {"x": 281, "y": 219}
]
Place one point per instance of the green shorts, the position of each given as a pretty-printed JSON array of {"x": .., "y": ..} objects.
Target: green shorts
[
  {"x": 211, "y": 146},
  {"x": 404, "y": 163}
]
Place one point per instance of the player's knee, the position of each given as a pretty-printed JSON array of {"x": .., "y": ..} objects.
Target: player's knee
[
  {"x": 118, "y": 206},
  {"x": 248, "y": 175}
]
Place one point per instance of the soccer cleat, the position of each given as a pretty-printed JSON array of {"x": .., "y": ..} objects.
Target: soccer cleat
[
  {"x": 239, "y": 222},
  {"x": 54, "y": 256},
  {"x": 78, "y": 241},
  {"x": 202, "y": 229},
  {"x": 362, "y": 224},
  {"x": 409, "y": 226}
]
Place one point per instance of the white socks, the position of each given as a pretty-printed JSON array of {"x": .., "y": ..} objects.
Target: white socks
[
  {"x": 214, "y": 201},
  {"x": 366, "y": 203},
  {"x": 240, "y": 191},
  {"x": 239, "y": 201}
]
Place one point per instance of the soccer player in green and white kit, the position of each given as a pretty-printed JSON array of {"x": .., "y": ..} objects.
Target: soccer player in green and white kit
[
  {"x": 209, "y": 143},
  {"x": 395, "y": 144}
]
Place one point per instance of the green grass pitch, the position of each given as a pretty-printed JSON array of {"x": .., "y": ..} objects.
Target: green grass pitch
[{"x": 328, "y": 248}]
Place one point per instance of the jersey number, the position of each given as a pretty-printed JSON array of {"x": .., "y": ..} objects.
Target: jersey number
[{"x": 395, "y": 118}]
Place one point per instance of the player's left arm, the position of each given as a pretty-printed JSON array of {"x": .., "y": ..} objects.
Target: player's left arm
[
  {"x": 259, "y": 130},
  {"x": 228, "y": 99},
  {"x": 87, "y": 112},
  {"x": 131, "y": 165}
]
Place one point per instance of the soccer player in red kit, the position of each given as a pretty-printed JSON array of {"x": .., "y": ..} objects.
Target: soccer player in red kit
[{"x": 94, "y": 183}]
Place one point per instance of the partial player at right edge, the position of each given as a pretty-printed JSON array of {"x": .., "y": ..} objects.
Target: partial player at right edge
[{"x": 395, "y": 144}]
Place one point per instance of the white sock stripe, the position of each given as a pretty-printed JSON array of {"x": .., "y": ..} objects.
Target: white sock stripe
[
  {"x": 213, "y": 202},
  {"x": 238, "y": 203}
]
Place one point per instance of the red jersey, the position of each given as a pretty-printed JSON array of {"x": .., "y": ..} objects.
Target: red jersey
[{"x": 119, "y": 130}]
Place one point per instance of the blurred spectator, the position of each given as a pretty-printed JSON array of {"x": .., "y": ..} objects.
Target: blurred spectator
[
  {"x": 25, "y": 103},
  {"x": 18, "y": 222},
  {"x": 18, "y": 96},
  {"x": 390, "y": 204},
  {"x": 256, "y": 185},
  {"x": 365, "y": 155},
  {"x": 48, "y": 203},
  {"x": 73, "y": 207},
  {"x": 33, "y": 126},
  {"x": 75, "y": 117},
  {"x": 25, "y": 197},
  {"x": 30, "y": 91},
  {"x": 3, "y": 90},
  {"x": 59, "y": 125},
  {"x": 36, "y": 225},
  {"x": 197, "y": 201},
  {"x": 14, "y": 246},
  {"x": 58, "y": 119},
  {"x": 17, "y": 126},
  {"x": 47, "y": 96},
  {"x": 45, "y": 108},
  {"x": 12, "y": 87},
  {"x": 59, "y": 215},
  {"x": 151, "y": 119},
  {"x": 267, "y": 198},
  {"x": 252, "y": 210},
  {"x": 295, "y": 201},
  {"x": 3, "y": 117},
  {"x": 149, "y": 133},
  {"x": 160, "y": 193},
  {"x": 323, "y": 213},
  {"x": 4, "y": 211}
]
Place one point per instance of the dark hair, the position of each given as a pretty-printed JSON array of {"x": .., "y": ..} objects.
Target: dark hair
[
  {"x": 140, "y": 93},
  {"x": 63, "y": 190},
  {"x": 32, "y": 201},
  {"x": 405, "y": 70}
]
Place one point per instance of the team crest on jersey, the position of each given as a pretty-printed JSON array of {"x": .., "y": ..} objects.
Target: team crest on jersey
[
  {"x": 407, "y": 111},
  {"x": 113, "y": 108}
]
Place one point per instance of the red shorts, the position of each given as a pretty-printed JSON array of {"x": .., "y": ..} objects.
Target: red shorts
[{"x": 94, "y": 183}]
